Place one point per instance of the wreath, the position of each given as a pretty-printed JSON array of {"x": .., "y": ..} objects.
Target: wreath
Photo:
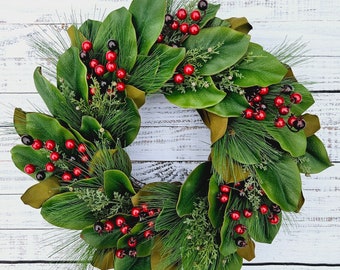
[{"x": 261, "y": 139}]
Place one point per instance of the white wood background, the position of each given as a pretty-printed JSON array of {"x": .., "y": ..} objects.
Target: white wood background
[{"x": 170, "y": 144}]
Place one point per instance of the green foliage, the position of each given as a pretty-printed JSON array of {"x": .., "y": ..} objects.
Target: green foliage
[{"x": 117, "y": 181}]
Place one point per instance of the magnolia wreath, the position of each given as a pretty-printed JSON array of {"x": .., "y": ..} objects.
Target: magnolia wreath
[{"x": 261, "y": 138}]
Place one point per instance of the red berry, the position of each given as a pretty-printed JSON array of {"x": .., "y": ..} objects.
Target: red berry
[
  {"x": 224, "y": 188},
  {"x": 86, "y": 46},
  {"x": 111, "y": 66},
  {"x": 49, "y": 167},
  {"x": 93, "y": 63},
  {"x": 184, "y": 28},
  {"x": 70, "y": 144},
  {"x": 195, "y": 15},
  {"x": 151, "y": 213},
  {"x": 223, "y": 198},
  {"x": 279, "y": 122},
  {"x": 50, "y": 144},
  {"x": 135, "y": 211},
  {"x": 132, "y": 242},
  {"x": 121, "y": 73},
  {"x": 188, "y": 69},
  {"x": 248, "y": 113},
  {"x": 120, "y": 86},
  {"x": 260, "y": 115},
  {"x": 77, "y": 171},
  {"x": 67, "y": 177},
  {"x": 291, "y": 120},
  {"x": 110, "y": 56},
  {"x": 120, "y": 221},
  {"x": 120, "y": 253},
  {"x": 81, "y": 148},
  {"x": 125, "y": 229},
  {"x": 174, "y": 26},
  {"x": 274, "y": 219},
  {"x": 284, "y": 110},
  {"x": 148, "y": 234},
  {"x": 257, "y": 98},
  {"x": 160, "y": 38},
  {"x": 240, "y": 229},
  {"x": 181, "y": 14},
  {"x": 263, "y": 91},
  {"x": 54, "y": 156},
  {"x": 235, "y": 215},
  {"x": 151, "y": 224},
  {"x": 264, "y": 209},
  {"x": 295, "y": 98},
  {"x": 194, "y": 29},
  {"x": 144, "y": 207},
  {"x": 108, "y": 226},
  {"x": 247, "y": 213},
  {"x": 279, "y": 101},
  {"x": 93, "y": 91},
  {"x": 84, "y": 158},
  {"x": 37, "y": 144},
  {"x": 178, "y": 78},
  {"x": 29, "y": 168},
  {"x": 99, "y": 70}
]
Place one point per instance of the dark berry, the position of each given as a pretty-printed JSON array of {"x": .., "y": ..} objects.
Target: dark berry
[
  {"x": 168, "y": 19},
  {"x": 181, "y": 14},
  {"x": 202, "y": 5},
  {"x": 299, "y": 124},
  {"x": 29, "y": 168},
  {"x": 275, "y": 208},
  {"x": 86, "y": 46},
  {"x": 27, "y": 139},
  {"x": 112, "y": 45},
  {"x": 84, "y": 55},
  {"x": 194, "y": 29},
  {"x": 261, "y": 106},
  {"x": 240, "y": 242},
  {"x": 98, "y": 227},
  {"x": 40, "y": 175},
  {"x": 287, "y": 89},
  {"x": 132, "y": 253},
  {"x": 160, "y": 38}
]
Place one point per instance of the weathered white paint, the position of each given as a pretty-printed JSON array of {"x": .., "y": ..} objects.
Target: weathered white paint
[{"x": 170, "y": 144}]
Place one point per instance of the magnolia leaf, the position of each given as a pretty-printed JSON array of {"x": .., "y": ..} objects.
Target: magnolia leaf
[
  {"x": 231, "y": 106},
  {"x": 117, "y": 181},
  {"x": 148, "y": 24},
  {"x": 301, "y": 202},
  {"x": 240, "y": 24},
  {"x": 247, "y": 252},
  {"x": 228, "y": 47},
  {"x": 103, "y": 259},
  {"x": 234, "y": 262},
  {"x": 118, "y": 26},
  {"x": 71, "y": 73},
  {"x": 101, "y": 241},
  {"x": 216, "y": 209},
  {"x": 196, "y": 185},
  {"x": 76, "y": 37},
  {"x": 216, "y": 124},
  {"x": 227, "y": 245},
  {"x": 37, "y": 194},
  {"x": 19, "y": 121},
  {"x": 209, "y": 14},
  {"x": 67, "y": 210},
  {"x": 45, "y": 128},
  {"x": 293, "y": 142},
  {"x": 312, "y": 124},
  {"x": 317, "y": 157},
  {"x": 281, "y": 182},
  {"x": 136, "y": 95},
  {"x": 259, "y": 68},
  {"x": 199, "y": 99},
  {"x": 89, "y": 30},
  {"x": 130, "y": 263},
  {"x": 218, "y": 22},
  {"x": 90, "y": 127}
]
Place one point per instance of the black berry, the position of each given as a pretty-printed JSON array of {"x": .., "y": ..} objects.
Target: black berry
[
  {"x": 40, "y": 175},
  {"x": 299, "y": 124},
  {"x": 112, "y": 45},
  {"x": 168, "y": 19},
  {"x": 84, "y": 55},
  {"x": 240, "y": 242},
  {"x": 202, "y": 5},
  {"x": 98, "y": 227},
  {"x": 27, "y": 140}
]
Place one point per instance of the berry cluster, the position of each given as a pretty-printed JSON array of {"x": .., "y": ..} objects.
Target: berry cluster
[
  {"x": 223, "y": 195},
  {"x": 75, "y": 155},
  {"x": 98, "y": 70},
  {"x": 184, "y": 23},
  {"x": 257, "y": 107},
  {"x": 144, "y": 214},
  {"x": 179, "y": 77}
]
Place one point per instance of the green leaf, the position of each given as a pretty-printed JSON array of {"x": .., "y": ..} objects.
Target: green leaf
[
  {"x": 216, "y": 209},
  {"x": 259, "y": 68},
  {"x": 312, "y": 124},
  {"x": 68, "y": 211},
  {"x": 231, "y": 106},
  {"x": 230, "y": 47},
  {"x": 117, "y": 181},
  {"x": 196, "y": 185},
  {"x": 118, "y": 26},
  {"x": 130, "y": 263},
  {"x": 209, "y": 14},
  {"x": 316, "y": 154},
  {"x": 19, "y": 121},
  {"x": 132, "y": 126},
  {"x": 151, "y": 72},
  {"x": 90, "y": 127},
  {"x": 148, "y": 24},
  {"x": 202, "y": 98},
  {"x": 240, "y": 24},
  {"x": 293, "y": 142},
  {"x": 307, "y": 99},
  {"x": 71, "y": 73},
  {"x": 89, "y": 29},
  {"x": 101, "y": 241},
  {"x": 281, "y": 182},
  {"x": 45, "y": 127},
  {"x": 75, "y": 36}
]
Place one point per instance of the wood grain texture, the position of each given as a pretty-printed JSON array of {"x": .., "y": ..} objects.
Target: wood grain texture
[{"x": 173, "y": 141}]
